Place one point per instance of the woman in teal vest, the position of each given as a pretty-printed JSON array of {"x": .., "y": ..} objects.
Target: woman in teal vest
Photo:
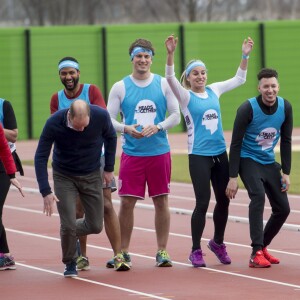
[{"x": 208, "y": 161}]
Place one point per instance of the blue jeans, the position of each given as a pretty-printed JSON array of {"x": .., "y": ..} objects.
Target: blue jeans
[{"x": 67, "y": 188}]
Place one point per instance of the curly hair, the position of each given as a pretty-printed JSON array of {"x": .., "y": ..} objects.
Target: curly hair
[{"x": 141, "y": 43}]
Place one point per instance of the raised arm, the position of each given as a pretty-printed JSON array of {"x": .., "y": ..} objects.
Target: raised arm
[
  {"x": 171, "y": 44},
  {"x": 240, "y": 77},
  {"x": 246, "y": 49},
  {"x": 180, "y": 92}
]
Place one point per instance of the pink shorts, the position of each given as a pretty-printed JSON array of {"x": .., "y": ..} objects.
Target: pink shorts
[{"x": 137, "y": 171}]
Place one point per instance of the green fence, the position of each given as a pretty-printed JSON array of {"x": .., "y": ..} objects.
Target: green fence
[{"x": 29, "y": 57}]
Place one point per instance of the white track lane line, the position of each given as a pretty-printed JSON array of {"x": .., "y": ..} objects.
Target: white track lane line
[
  {"x": 280, "y": 283},
  {"x": 175, "y": 210},
  {"x": 135, "y": 292}
]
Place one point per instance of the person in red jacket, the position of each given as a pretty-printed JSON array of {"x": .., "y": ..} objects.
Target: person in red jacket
[{"x": 6, "y": 260}]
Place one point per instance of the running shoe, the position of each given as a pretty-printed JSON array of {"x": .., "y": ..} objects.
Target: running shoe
[
  {"x": 110, "y": 264},
  {"x": 220, "y": 252},
  {"x": 163, "y": 259},
  {"x": 127, "y": 259},
  {"x": 82, "y": 263},
  {"x": 259, "y": 261},
  {"x": 120, "y": 264},
  {"x": 196, "y": 258},
  {"x": 7, "y": 262},
  {"x": 70, "y": 270},
  {"x": 272, "y": 259}
]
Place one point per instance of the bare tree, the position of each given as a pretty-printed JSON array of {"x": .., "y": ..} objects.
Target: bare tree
[
  {"x": 192, "y": 10},
  {"x": 4, "y": 8},
  {"x": 175, "y": 7},
  {"x": 295, "y": 7},
  {"x": 68, "y": 12},
  {"x": 289, "y": 9},
  {"x": 34, "y": 11},
  {"x": 90, "y": 8}
]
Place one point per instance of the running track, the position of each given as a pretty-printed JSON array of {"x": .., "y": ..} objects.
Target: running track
[{"x": 34, "y": 241}]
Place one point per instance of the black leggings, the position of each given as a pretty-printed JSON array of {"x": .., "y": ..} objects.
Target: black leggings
[
  {"x": 203, "y": 171},
  {"x": 261, "y": 180},
  {"x": 4, "y": 188}
]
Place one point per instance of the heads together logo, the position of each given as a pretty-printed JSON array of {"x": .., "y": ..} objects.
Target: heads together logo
[
  {"x": 145, "y": 112},
  {"x": 210, "y": 120},
  {"x": 266, "y": 138}
]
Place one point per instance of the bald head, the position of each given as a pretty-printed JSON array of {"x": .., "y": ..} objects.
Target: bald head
[{"x": 79, "y": 114}]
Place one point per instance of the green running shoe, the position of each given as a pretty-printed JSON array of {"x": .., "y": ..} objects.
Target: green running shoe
[
  {"x": 163, "y": 259},
  {"x": 83, "y": 263}
]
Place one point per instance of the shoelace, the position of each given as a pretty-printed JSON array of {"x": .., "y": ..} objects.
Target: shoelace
[
  {"x": 222, "y": 251},
  {"x": 119, "y": 258},
  {"x": 71, "y": 266},
  {"x": 164, "y": 254},
  {"x": 197, "y": 254},
  {"x": 126, "y": 255},
  {"x": 260, "y": 257},
  {"x": 267, "y": 255}
]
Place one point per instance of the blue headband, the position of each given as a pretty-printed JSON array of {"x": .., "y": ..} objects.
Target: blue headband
[
  {"x": 197, "y": 63},
  {"x": 137, "y": 50},
  {"x": 68, "y": 64}
]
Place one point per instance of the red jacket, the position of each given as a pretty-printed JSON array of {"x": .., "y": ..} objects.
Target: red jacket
[{"x": 5, "y": 154}]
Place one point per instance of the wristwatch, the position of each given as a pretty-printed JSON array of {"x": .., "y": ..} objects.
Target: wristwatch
[{"x": 159, "y": 127}]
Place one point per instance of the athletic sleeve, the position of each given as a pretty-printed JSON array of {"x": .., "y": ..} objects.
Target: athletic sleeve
[
  {"x": 243, "y": 118},
  {"x": 115, "y": 98},
  {"x": 54, "y": 103},
  {"x": 286, "y": 139},
  {"x": 182, "y": 94},
  {"x": 110, "y": 141},
  {"x": 41, "y": 158},
  {"x": 173, "y": 118},
  {"x": 9, "y": 120},
  {"x": 96, "y": 97},
  {"x": 222, "y": 87}
]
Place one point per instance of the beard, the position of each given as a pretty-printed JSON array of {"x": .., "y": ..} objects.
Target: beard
[{"x": 70, "y": 85}]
